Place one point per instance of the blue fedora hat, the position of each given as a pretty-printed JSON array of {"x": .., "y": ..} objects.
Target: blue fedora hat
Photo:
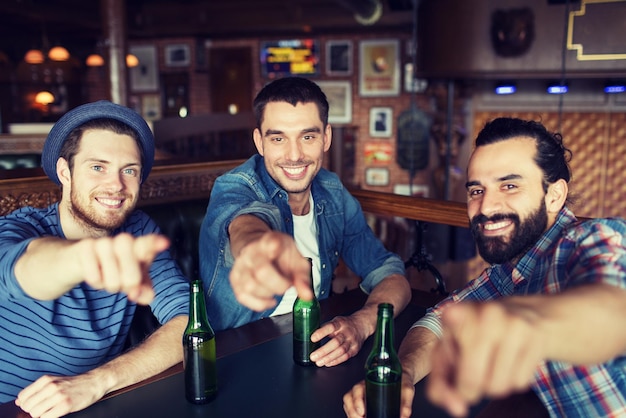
[{"x": 78, "y": 116}]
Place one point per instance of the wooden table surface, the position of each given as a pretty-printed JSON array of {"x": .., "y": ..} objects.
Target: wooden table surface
[{"x": 233, "y": 341}]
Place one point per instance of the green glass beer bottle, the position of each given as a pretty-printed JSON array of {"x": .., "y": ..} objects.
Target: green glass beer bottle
[
  {"x": 199, "y": 357},
  {"x": 306, "y": 319},
  {"x": 383, "y": 371}
]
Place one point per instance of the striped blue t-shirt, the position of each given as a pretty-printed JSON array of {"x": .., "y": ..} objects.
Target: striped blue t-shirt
[{"x": 82, "y": 329}]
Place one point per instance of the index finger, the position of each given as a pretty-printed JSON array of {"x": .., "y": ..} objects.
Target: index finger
[
  {"x": 302, "y": 281},
  {"x": 147, "y": 247},
  {"x": 289, "y": 263}
]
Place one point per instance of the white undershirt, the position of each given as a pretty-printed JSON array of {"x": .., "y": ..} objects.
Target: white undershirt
[{"x": 305, "y": 232}]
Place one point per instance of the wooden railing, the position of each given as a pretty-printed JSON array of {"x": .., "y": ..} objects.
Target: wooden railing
[
  {"x": 412, "y": 207},
  {"x": 166, "y": 184},
  {"x": 180, "y": 182}
]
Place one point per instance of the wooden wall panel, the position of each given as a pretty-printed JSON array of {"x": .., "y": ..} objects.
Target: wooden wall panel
[{"x": 615, "y": 191}]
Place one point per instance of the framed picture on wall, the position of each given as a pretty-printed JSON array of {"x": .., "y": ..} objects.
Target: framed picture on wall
[
  {"x": 379, "y": 68},
  {"x": 339, "y": 58},
  {"x": 378, "y": 153},
  {"x": 177, "y": 55},
  {"x": 339, "y": 96},
  {"x": 381, "y": 121},
  {"x": 144, "y": 77},
  {"x": 377, "y": 176},
  {"x": 151, "y": 107}
]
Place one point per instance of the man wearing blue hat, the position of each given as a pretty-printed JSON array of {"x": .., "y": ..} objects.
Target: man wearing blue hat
[{"x": 73, "y": 273}]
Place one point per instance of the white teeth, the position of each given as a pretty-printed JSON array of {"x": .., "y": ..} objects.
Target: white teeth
[
  {"x": 498, "y": 225},
  {"x": 294, "y": 171},
  {"x": 110, "y": 202}
]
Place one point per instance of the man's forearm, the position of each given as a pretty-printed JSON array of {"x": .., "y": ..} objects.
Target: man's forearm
[
  {"x": 415, "y": 353},
  {"x": 52, "y": 258},
  {"x": 160, "y": 351},
  {"x": 245, "y": 229},
  {"x": 581, "y": 325},
  {"x": 394, "y": 289}
]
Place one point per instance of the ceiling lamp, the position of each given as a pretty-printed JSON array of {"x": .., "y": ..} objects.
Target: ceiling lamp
[
  {"x": 505, "y": 88},
  {"x": 94, "y": 60},
  {"x": 44, "y": 98},
  {"x": 34, "y": 56},
  {"x": 557, "y": 88},
  {"x": 131, "y": 61},
  {"x": 613, "y": 87},
  {"x": 58, "y": 53}
]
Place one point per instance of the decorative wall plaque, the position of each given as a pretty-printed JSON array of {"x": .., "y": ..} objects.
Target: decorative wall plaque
[{"x": 597, "y": 31}]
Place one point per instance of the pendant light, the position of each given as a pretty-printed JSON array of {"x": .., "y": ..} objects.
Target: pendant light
[
  {"x": 59, "y": 53},
  {"x": 131, "y": 61},
  {"x": 34, "y": 56},
  {"x": 44, "y": 97},
  {"x": 94, "y": 60}
]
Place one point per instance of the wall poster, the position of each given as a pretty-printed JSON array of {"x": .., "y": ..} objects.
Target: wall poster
[{"x": 379, "y": 69}]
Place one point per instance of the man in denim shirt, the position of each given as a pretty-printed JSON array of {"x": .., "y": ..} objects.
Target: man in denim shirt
[{"x": 280, "y": 206}]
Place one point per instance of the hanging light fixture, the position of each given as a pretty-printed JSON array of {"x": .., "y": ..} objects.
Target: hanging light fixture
[
  {"x": 34, "y": 56},
  {"x": 59, "y": 53},
  {"x": 131, "y": 61},
  {"x": 94, "y": 60},
  {"x": 44, "y": 97}
]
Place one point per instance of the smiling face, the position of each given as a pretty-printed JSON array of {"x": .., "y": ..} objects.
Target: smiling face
[
  {"x": 292, "y": 141},
  {"x": 102, "y": 188},
  {"x": 507, "y": 206}
]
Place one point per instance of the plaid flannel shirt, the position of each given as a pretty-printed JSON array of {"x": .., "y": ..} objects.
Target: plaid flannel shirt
[{"x": 570, "y": 253}]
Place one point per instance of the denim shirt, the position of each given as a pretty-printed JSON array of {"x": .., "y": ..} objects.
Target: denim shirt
[{"x": 341, "y": 228}]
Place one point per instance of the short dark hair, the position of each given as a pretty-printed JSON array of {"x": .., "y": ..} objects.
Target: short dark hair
[
  {"x": 70, "y": 147},
  {"x": 552, "y": 156},
  {"x": 292, "y": 90}
]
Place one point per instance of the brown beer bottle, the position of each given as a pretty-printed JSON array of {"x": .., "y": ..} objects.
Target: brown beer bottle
[
  {"x": 383, "y": 371},
  {"x": 199, "y": 357},
  {"x": 306, "y": 319}
]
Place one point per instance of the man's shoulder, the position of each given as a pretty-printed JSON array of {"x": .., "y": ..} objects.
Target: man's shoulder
[
  {"x": 38, "y": 217},
  {"x": 602, "y": 226},
  {"x": 329, "y": 180},
  {"x": 250, "y": 166},
  {"x": 247, "y": 172},
  {"x": 139, "y": 223},
  {"x": 31, "y": 210}
]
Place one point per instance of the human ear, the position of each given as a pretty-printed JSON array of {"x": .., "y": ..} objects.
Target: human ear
[
  {"x": 328, "y": 137},
  {"x": 63, "y": 171},
  {"x": 258, "y": 141},
  {"x": 556, "y": 196}
]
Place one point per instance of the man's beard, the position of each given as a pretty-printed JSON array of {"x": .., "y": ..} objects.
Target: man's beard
[
  {"x": 89, "y": 218},
  {"x": 497, "y": 250}
]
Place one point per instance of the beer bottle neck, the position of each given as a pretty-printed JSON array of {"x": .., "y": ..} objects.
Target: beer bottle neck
[
  {"x": 197, "y": 307},
  {"x": 384, "y": 329}
]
